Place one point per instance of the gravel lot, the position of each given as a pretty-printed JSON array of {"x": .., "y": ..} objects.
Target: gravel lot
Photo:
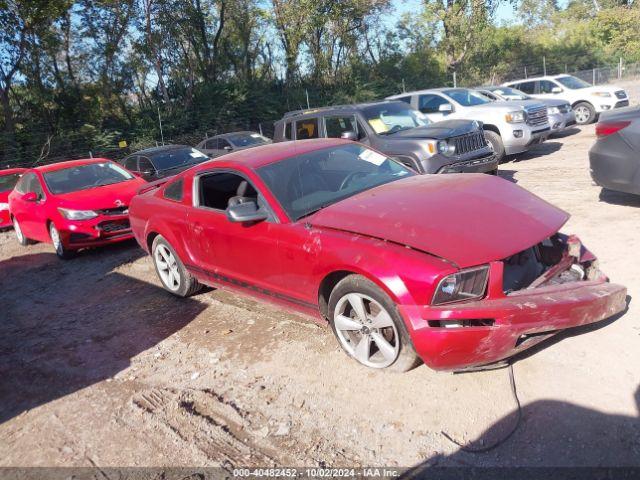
[{"x": 99, "y": 366}]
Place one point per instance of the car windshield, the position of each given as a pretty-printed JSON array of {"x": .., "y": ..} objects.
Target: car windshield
[
  {"x": 176, "y": 158},
  {"x": 248, "y": 139},
  {"x": 309, "y": 182},
  {"x": 573, "y": 83},
  {"x": 465, "y": 97},
  {"x": 83, "y": 177},
  {"x": 510, "y": 93},
  {"x": 389, "y": 118},
  {"x": 7, "y": 182}
]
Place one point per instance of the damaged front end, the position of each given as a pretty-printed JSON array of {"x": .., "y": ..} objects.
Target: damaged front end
[
  {"x": 530, "y": 296},
  {"x": 556, "y": 260}
]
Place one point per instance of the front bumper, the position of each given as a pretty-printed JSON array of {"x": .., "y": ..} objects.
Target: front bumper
[
  {"x": 560, "y": 121},
  {"x": 487, "y": 164},
  {"x": 99, "y": 231},
  {"x": 5, "y": 219},
  {"x": 610, "y": 104},
  {"x": 528, "y": 138},
  {"x": 471, "y": 334}
]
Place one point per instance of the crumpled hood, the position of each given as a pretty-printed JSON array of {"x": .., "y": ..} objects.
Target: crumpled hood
[
  {"x": 438, "y": 130},
  {"x": 99, "y": 198},
  {"x": 468, "y": 219}
]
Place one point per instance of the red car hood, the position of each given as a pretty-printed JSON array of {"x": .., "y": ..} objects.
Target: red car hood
[
  {"x": 102, "y": 197},
  {"x": 468, "y": 219}
]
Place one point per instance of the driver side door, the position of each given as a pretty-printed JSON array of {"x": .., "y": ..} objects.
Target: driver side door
[
  {"x": 430, "y": 103},
  {"x": 241, "y": 255},
  {"x": 31, "y": 215}
]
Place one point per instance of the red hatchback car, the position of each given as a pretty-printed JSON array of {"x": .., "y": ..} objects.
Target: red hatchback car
[
  {"x": 8, "y": 180},
  {"x": 75, "y": 204},
  {"x": 455, "y": 270}
]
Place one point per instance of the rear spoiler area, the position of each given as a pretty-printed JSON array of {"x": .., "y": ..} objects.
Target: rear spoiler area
[{"x": 153, "y": 186}]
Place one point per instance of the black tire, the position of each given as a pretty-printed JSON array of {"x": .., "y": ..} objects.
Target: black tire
[
  {"x": 188, "y": 285},
  {"x": 61, "y": 251},
  {"x": 21, "y": 239},
  {"x": 588, "y": 108},
  {"x": 495, "y": 141},
  {"x": 407, "y": 358}
]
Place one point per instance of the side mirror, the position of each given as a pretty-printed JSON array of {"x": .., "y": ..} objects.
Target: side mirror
[
  {"x": 556, "y": 90},
  {"x": 227, "y": 148},
  {"x": 349, "y": 135},
  {"x": 445, "y": 108},
  {"x": 30, "y": 197},
  {"x": 147, "y": 172},
  {"x": 246, "y": 212}
]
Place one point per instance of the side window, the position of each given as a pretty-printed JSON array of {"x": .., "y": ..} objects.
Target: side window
[
  {"x": 23, "y": 185},
  {"x": 145, "y": 165},
  {"x": 36, "y": 186},
  {"x": 430, "y": 103},
  {"x": 174, "y": 191},
  {"x": 131, "y": 163},
  {"x": 527, "y": 87},
  {"x": 216, "y": 189},
  {"x": 211, "y": 144},
  {"x": 405, "y": 99},
  {"x": 287, "y": 131},
  {"x": 222, "y": 144},
  {"x": 546, "y": 86},
  {"x": 336, "y": 126},
  {"x": 307, "y": 128},
  {"x": 490, "y": 95}
]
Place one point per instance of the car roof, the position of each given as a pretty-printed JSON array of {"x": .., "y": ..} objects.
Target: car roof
[
  {"x": 52, "y": 167},
  {"x": 160, "y": 149},
  {"x": 426, "y": 90},
  {"x": 12, "y": 171},
  {"x": 543, "y": 77},
  {"x": 257, "y": 157},
  {"x": 230, "y": 134},
  {"x": 348, "y": 107}
]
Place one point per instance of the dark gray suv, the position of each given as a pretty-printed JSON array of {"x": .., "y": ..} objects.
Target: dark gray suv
[{"x": 399, "y": 131}]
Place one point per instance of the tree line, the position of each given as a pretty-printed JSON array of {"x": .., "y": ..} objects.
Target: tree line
[{"x": 79, "y": 76}]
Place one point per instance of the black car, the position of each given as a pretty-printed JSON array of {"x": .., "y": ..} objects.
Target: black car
[
  {"x": 159, "y": 162},
  {"x": 399, "y": 131}
]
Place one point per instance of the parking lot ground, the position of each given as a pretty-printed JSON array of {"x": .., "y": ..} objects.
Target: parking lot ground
[{"x": 99, "y": 366}]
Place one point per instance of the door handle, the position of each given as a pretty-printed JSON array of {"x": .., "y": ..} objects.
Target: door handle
[{"x": 198, "y": 228}]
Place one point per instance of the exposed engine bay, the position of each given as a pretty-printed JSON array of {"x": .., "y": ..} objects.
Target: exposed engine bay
[{"x": 556, "y": 260}]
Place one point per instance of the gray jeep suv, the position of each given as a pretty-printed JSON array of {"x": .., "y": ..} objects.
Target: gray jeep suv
[{"x": 399, "y": 131}]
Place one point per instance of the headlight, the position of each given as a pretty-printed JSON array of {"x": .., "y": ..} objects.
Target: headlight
[
  {"x": 553, "y": 110},
  {"x": 77, "y": 214},
  {"x": 441, "y": 147},
  {"x": 4, "y": 206},
  {"x": 602, "y": 94},
  {"x": 464, "y": 285},
  {"x": 516, "y": 117}
]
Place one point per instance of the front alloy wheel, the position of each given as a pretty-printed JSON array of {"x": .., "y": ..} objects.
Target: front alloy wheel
[
  {"x": 585, "y": 113},
  {"x": 22, "y": 240},
  {"x": 368, "y": 326},
  {"x": 61, "y": 251}
]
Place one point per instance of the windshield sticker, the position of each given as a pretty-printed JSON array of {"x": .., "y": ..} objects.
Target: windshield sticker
[
  {"x": 372, "y": 157},
  {"x": 378, "y": 125}
]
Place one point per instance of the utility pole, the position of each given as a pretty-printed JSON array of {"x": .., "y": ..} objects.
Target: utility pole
[
  {"x": 455, "y": 82},
  {"x": 404, "y": 88},
  {"x": 544, "y": 65},
  {"x": 307, "y": 92},
  {"x": 160, "y": 123}
]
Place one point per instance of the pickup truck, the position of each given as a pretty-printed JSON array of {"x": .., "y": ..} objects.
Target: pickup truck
[{"x": 510, "y": 127}]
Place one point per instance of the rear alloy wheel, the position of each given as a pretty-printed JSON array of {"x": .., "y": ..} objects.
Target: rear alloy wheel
[
  {"x": 174, "y": 276},
  {"x": 496, "y": 143},
  {"x": 368, "y": 326},
  {"x": 585, "y": 113},
  {"x": 22, "y": 240},
  {"x": 61, "y": 251}
]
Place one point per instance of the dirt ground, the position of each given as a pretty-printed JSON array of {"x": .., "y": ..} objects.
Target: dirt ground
[{"x": 99, "y": 366}]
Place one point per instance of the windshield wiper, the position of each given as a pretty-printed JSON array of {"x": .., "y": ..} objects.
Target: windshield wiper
[{"x": 315, "y": 210}]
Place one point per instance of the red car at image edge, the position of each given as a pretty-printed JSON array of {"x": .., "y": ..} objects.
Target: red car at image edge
[
  {"x": 458, "y": 271},
  {"x": 8, "y": 180},
  {"x": 74, "y": 204}
]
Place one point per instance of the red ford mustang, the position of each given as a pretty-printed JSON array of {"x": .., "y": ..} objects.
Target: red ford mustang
[
  {"x": 74, "y": 204},
  {"x": 8, "y": 180},
  {"x": 455, "y": 270}
]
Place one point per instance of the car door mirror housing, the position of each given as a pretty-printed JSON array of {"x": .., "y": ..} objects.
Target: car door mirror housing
[
  {"x": 445, "y": 108},
  {"x": 247, "y": 211},
  {"x": 30, "y": 197},
  {"x": 349, "y": 135},
  {"x": 227, "y": 148},
  {"x": 556, "y": 90}
]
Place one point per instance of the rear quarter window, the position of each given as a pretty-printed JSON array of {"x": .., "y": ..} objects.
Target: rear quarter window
[{"x": 174, "y": 191}]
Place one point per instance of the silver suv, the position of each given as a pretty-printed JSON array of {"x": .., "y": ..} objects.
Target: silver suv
[{"x": 510, "y": 127}]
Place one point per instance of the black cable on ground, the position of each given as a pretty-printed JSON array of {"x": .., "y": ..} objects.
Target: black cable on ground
[{"x": 472, "y": 449}]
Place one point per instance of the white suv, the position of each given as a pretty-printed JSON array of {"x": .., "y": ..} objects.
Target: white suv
[{"x": 587, "y": 100}]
